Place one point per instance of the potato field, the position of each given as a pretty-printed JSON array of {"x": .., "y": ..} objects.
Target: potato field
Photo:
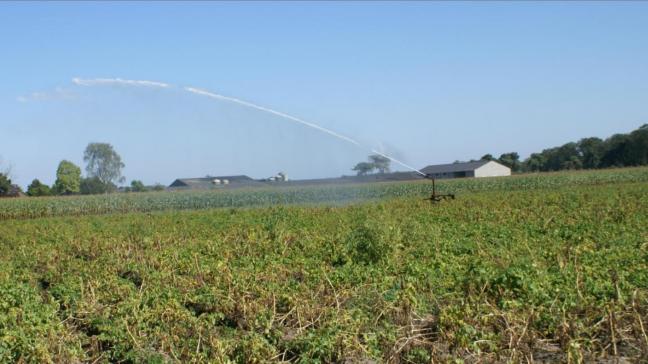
[{"x": 525, "y": 269}]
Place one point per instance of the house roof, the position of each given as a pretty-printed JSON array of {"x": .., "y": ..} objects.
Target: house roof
[
  {"x": 15, "y": 191},
  {"x": 453, "y": 167},
  {"x": 209, "y": 181}
]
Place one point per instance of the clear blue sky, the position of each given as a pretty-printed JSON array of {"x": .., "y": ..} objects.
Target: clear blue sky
[{"x": 428, "y": 82}]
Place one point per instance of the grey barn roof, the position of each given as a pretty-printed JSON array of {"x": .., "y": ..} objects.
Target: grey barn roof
[
  {"x": 453, "y": 167},
  {"x": 208, "y": 181}
]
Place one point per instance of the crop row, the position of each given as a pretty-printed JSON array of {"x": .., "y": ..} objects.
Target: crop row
[{"x": 332, "y": 194}]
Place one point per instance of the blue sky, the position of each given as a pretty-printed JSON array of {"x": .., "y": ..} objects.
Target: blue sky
[{"x": 426, "y": 82}]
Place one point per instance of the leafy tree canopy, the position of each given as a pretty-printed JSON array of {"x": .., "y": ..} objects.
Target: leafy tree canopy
[
  {"x": 5, "y": 184},
  {"x": 94, "y": 186},
  {"x": 380, "y": 162},
  {"x": 68, "y": 178},
  {"x": 37, "y": 188},
  {"x": 619, "y": 150},
  {"x": 511, "y": 160},
  {"x": 103, "y": 163},
  {"x": 137, "y": 186},
  {"x": 364, "y": 168}
]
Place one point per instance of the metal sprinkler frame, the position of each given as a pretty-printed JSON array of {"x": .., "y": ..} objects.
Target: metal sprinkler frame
[{"x": 437, "y": 197}]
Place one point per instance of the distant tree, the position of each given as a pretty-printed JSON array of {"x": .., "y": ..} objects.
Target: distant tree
[
  {"x": 380, "y": 163},
  {"x": 5, "y": 184},
  {"x": 36, "y": 188},
  {"x": 68, "y": 179},
  {"x": 572, "y": 163},
  {"x": 487, "y": 157},
  {"x": 616, "y": 151},
  {"x": 364, "y": 168},
  {"x": 158, "y": 187},
  {"x": 637, "y": 154},
  {"x": 137, "y": 186},
  {"x": 563, "y": 157},
  {"x": 511, "y": 160},
  {"x": 590, "y": 151},
  {"x": 103, "y": 163},
  {"x": 94, "y": 186},
  {"x": 535, "y": 163}
]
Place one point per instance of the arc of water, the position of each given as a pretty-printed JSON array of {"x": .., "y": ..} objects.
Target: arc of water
[
  {"x": 290, "y": 117},
  {"x": 271, "y": 111},
  {"x": 197, "y": 91},
  {"x": 397, "y": 161}
]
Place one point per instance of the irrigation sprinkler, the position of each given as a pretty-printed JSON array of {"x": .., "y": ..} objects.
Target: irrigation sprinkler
[{"x": 437, "y": 197}]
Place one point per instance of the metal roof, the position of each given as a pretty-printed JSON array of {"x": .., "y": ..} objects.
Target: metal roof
[
  {"x": 454, "y": 167},
  {"x": 209, "y": 181}
]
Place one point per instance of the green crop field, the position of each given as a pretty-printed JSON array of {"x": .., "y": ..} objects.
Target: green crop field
[
  {"x": 328, "y": 194},
  {"x": 532, "y": 268}
]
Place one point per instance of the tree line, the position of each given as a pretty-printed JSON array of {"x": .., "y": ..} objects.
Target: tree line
[
  {"x": 103, "y": 171},
  {"x": 619, "y": 150},
  {"x": 376, "y": 162}
]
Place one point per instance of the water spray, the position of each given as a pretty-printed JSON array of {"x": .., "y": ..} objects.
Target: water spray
[{"x": 155, "y": 84}]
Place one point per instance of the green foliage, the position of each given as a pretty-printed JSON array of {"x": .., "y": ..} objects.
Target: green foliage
[
  {"x": 550, "y": 266},
  {"x": 328, "y": 195},
  {"x": 511, "y": 160},
  {"x": 366, "y": 245},
  {"x": 376, "y": 162},
  {"x": 68, "y": 179},
  {"x": 94, "y": 186},
  {"x": 103, "y": 163},
  {"x": 619, "y": 150},
  {"x": 36, "y": 188},
  {"x": 138, "y": 186},
  {"x": 364, "y": 168},
  {"x": 5, "y": 185},
  {"x": 381, "y": 163},
  {"x": 29, "y": 326},
  {"x": 591, "y": 151}
]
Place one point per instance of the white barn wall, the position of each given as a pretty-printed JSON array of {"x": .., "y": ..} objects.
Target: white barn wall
[{"x": 492, "y": 169}]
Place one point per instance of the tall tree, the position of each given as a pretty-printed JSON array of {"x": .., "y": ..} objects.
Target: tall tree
[
  {"x": 5, "y": 184},
  {"x": 638, "y": 147},
  {"x": 103, "y": 162},
  {"x": 511, "y": 160},
  {"x": 138, "y": 186},
  {"x": 487, "y": 157},
  {"x": 591, "y": 151},
  {"x": 364, "y": 168},
  {"x": 37, "y": 188},
  {"x": 616, "y": 151},
  {"x": 563, "y": 157},
  {"x": 5, "y": 180},
  {"x": 68, "y": 178},
  {"x": 535, "y": 163},
  {"x": 380, "y": 163}
]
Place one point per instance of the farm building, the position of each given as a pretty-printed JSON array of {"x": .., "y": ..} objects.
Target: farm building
[
  {"x": 468, "y": 169},
  {"x": 213, "y": 182}
]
